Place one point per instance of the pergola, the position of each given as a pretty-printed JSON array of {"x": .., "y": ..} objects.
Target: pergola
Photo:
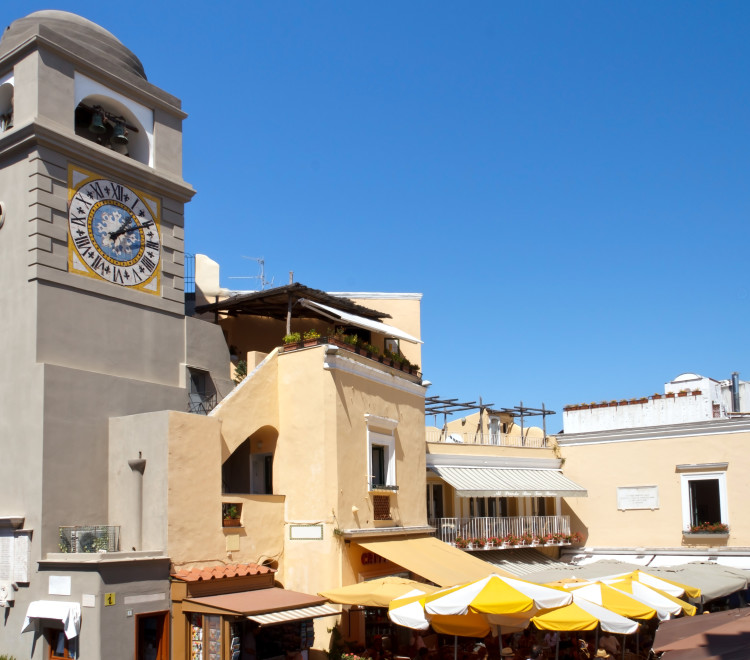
[{"x": 281, "y": 303}]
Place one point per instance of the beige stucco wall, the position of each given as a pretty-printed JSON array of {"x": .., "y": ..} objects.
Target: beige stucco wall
[{"x": 602, "y": 468}]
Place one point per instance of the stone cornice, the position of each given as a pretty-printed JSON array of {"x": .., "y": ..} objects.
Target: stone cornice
[
  {"x": 665, "y": 432},
  {"x": 45, "y": 133}
]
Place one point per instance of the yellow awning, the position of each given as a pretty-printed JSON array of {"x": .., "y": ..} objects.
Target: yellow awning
[
  {"x": 375, "y": 593},
  {"x": 434, "y": 560}
]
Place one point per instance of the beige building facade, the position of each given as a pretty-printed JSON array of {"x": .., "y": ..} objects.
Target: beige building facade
[{"x": 669, "y": 492}]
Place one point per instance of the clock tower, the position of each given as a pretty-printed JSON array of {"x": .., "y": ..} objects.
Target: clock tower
[{"x": 91, "y": 264}]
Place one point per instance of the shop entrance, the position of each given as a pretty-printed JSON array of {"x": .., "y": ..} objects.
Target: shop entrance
[{"x": 152, "y": 636}]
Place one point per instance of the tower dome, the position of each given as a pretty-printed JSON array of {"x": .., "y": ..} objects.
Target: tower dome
[{"x": 78, "y": 34}]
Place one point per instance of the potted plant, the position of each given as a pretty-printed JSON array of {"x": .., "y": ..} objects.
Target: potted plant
[
  {"x": 461, "y": 542},
  {"x": 709, "y": 528},
  {"x": 576, "y": 538},
  {"x": 310, "y": 338},
  {"x": 656, "y": 396},
  {"x": 231, "y": 515},
  {"x": 292, "y": 341},
  {"x": 479, "y": 542}
]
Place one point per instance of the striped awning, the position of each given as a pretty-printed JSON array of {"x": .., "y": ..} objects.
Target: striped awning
[
  {"x": 508, "y": 482},
  {"x": 285, "y": 616}
]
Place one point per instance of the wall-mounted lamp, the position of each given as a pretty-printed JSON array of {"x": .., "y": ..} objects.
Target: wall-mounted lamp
[{"x": 355, "y": 509}]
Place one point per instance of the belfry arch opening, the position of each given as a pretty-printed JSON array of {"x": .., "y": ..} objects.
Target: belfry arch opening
[{"x": 112, "y": 125}]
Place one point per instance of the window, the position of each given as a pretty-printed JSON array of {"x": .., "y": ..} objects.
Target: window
[
  {"x": 704, "y": 498},
  {"x": 62, "y": 647},
  {"x": 381, "y": 453},
  {"x": 201, "y": 395},
  {"x": 378, "y": 465},
  {"x": 434, "y": 500}
]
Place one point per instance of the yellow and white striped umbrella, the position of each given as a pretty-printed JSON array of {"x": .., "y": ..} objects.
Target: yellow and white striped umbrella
[
  {"x": 582, "y": 614},
  {"x": 471, "y": 609},
  {"x": 614, "y": 600},
  {"x": 666, "y": 605}
]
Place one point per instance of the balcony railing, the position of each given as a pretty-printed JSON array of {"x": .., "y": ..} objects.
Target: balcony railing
[
  {"x": 490, "y": 439},
  {"x": 90, "y": 538},
  {"x": 447, "y": 529},
  {"x": 200, "y": 403}
]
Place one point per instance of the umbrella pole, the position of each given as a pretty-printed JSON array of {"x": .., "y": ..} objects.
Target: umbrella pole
[
  {"x": 596, "y": 643},
  {"x": 455, "y": 647},
  {"x": 557, "y": 650}
]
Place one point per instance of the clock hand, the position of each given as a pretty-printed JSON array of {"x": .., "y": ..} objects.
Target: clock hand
[
  {"x": 114, "y": 235},
  {"x": 136, "y": 228}
]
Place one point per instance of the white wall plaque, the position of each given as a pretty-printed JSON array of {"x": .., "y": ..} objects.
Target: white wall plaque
[
  {"x": 88, "y": 600},
  {"x": 21, "y": 549},
  {"x": 306, "y": 532},
  {"x": 637, "y": 497},
  {"x": 59, "y": 585},
  {"x": 6, "y": 554}
]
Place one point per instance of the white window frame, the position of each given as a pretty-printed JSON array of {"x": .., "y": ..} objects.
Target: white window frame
[
  {"x": 384, "y": 437},
  {"x": 685, "y": 480}
]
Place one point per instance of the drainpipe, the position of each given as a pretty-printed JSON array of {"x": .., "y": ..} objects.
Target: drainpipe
[
  {"x": 138, "y": 465},
  {"x": 735, "y": 392}
]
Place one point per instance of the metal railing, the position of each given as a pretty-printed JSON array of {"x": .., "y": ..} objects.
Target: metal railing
[
  {"x": 447, "y": 529},
  {"x": 490, "y": 439},
  {"x": 90, "y": 538},
  {"x": 201, "y": 404}
]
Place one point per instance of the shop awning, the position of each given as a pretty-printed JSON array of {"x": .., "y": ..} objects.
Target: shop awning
[
  {"x": 285, "y": 616},
  {"x": 434, "y": 560},
  {"x": 376, "y": 593},
  {"x": 358, "y": 321},
  {"x": 508, "y": 482},
  {"x": 68, "y": 613},
  {"x": 252, "y": 603}
]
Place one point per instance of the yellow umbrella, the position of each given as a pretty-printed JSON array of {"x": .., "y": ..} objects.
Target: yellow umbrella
[
  {"x": 409, "y": 612},
  {"x": 471, "y": 609},
  {"x": 665, "y": 604},
  {"x": 376, "y": 593},
  {"x": 614, "y": 600},
  {"x": 674, "y": 588},
  {"x": 584, "y": 615}
]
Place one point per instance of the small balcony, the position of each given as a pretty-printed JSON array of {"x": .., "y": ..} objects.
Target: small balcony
[
  {"x": 514, "y": 531},
  {"x": 90, "y": 538},
  {"x": 487, "y": 439}
]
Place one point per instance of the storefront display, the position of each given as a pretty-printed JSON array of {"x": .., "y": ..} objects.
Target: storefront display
[{"x": 205, "y": 637}]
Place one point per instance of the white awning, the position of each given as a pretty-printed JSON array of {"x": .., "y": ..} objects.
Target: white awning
[
  {"x": 359, "y": 321},
  {"x": 508, "y": 482},
  {"x": 294, "y": 615},
  {"x": 68, "y": 613}
]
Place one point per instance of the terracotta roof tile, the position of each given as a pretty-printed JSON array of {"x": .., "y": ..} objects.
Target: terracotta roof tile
[{"x": 218, "y": 572}]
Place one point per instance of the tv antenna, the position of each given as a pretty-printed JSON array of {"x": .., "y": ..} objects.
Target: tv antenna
[{"x": 262, "y": 277}]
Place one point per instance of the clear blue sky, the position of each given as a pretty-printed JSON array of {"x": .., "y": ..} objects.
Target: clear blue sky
[{"x": 565, "y": 182}]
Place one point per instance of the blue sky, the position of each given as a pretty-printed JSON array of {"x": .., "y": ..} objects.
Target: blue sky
[{"x": 565, "y": 182}]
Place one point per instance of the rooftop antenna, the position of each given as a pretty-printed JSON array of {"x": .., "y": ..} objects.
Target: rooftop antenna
[{"x": 262, "y": 277}]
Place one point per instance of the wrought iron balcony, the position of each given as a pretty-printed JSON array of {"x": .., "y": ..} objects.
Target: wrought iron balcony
[
  {"x": 90, "y": 538},
  {"x": 449, "y": 529}
]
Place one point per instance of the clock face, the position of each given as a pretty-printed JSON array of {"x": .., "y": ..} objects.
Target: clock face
[{"x": 114, "y": 234}]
